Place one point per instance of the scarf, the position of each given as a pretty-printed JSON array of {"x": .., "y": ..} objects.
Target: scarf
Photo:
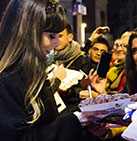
[
  {"x": 68, "y": 53},
  {"x": 115, "y": 76}
]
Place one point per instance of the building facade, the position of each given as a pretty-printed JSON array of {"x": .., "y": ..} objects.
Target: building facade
[
  {"x": 96, "y": 14},
  {"x": 122, "y": 16}
]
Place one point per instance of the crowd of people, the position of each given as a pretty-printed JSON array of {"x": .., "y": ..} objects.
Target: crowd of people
[{"x": 29, "y": 31}]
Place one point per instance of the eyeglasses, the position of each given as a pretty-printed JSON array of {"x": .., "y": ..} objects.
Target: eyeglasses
[
  {"x": 120, "y": 45},
  {"x": 134, "y": 51}
]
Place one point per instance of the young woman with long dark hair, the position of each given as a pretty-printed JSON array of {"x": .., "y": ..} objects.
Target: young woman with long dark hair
[{"x": 28, "y": 112}]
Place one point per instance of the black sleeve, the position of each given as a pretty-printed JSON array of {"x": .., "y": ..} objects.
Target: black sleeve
[
  {"x": 55, "y": 85},
  {"x": 13, "y": 116},
  {"x": 64, "y": 128},
  {"x": 87, "y": 46}
]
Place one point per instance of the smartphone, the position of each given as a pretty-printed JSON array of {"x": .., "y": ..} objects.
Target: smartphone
[
  {"x": 104, "y": 64},
  {"x": 104, "y": 29}
]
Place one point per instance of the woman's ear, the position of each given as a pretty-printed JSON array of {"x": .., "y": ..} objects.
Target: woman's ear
[{"x": 70, "y": 37}]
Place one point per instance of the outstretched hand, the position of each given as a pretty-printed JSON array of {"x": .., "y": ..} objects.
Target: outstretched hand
[
  {"x": 95, "y": 34},
  {"x": 97, "y": 83},
  {"x": 134, "y": 108}
]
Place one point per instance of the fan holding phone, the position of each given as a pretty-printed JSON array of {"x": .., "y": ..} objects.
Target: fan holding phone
[
  {"x": 98, "y": 78},
  {"x": 98, "y": 46},
  {"x": 116, "y": 74}
]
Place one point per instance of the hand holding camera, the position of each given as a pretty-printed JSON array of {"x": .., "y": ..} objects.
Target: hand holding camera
[{"x": 99, "y": 31}]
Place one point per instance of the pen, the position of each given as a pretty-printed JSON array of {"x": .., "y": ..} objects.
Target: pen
[
  {"x": 128, "y": 114},
  {"x": 89, "y": 89}
]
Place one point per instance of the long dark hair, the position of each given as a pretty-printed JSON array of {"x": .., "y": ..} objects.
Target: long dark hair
[
  {"x": 20, "y": 42},
  {"x": 131, "y": 71}
]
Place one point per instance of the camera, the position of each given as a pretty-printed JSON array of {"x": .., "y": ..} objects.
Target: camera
[{"x": 104, "y": 29}]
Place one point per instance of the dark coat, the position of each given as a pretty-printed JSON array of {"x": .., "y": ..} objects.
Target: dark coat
[
  {"x": 82, "y": 62},
  {"x": 13, "y": 114}
]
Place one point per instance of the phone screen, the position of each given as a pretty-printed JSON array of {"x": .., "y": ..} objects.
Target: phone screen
[{"x": 104, "y": 64}]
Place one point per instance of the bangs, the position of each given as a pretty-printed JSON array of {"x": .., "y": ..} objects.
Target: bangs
[{"x": 56, "y": 19}]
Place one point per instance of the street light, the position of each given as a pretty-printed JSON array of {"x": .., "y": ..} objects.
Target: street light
[{"x": 83, "y": 26}]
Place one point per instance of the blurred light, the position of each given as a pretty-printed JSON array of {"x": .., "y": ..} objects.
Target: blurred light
[{"x": 83, "y": 26}]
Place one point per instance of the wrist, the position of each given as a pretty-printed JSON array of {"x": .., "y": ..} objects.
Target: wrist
[{"x": 99, "y": 91}]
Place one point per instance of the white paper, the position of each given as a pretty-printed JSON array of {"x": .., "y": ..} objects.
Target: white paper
[
  {"x": 71, "y": 78},
  {"x": 131, "y": 132},
  {"x": 113, "y": 108},
  {"x": 60, "y": 102}
]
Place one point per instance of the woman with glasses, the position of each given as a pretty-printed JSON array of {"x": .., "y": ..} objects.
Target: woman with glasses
[
  {"x": 131, "y": 64},
  {"x": 116, "y": 76}
]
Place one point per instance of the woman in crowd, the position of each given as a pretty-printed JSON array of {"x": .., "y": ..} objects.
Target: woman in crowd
[
  {"x": 131, "y": 64},
  {"x": 28, "y": 112},
  {"x": 116, "y": 75},
  {"x": 131, "y": 77}
]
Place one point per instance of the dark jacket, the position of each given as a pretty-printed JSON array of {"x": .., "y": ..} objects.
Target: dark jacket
[
  {"x": 13, "y": 114},
  {"x": 87, "y": 46},
  {"x": 82, "y": 62},
  {"x": 71, "y": 96}
]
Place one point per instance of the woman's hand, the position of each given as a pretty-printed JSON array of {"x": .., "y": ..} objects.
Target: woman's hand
[
  {"x": 132, "y": 107},
  {"x": 97, "y": 83}
]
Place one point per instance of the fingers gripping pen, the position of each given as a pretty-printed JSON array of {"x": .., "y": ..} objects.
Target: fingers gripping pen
[{"x": 128, "y": 114}]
